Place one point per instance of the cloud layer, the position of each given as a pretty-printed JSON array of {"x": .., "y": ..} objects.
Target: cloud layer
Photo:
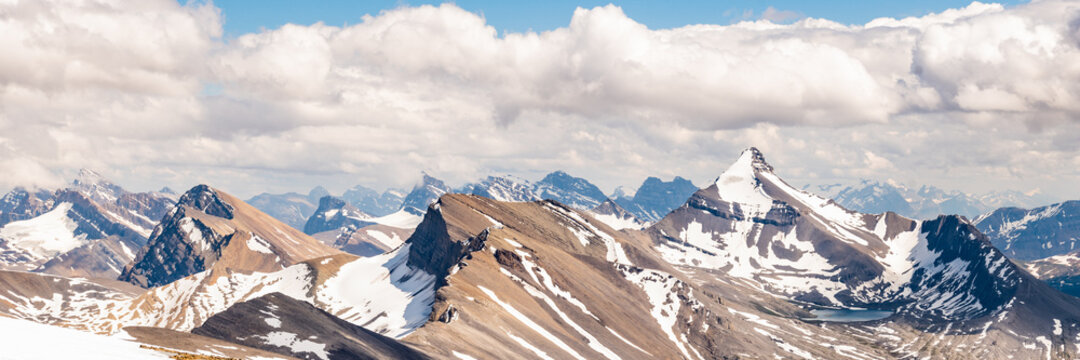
[{"x": 976, "y": 98}]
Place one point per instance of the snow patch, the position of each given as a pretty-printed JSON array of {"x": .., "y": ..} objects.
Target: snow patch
[
  {"x": 389, "y": 241},
  {"x": 462, "y": 356},
  {"x": 47, "y": 235},
  {"x": 258, "y": 245},
  {"x": 400, "y": 219},
  {"x": 382, "y": 292},
  {"x": 532, "y": 325},
  {"x": 659, "y": 287},
  {"x": 296, "y": 345},
  {"x": 618, "y": 223},
  {"x": 25, "y": 339}
]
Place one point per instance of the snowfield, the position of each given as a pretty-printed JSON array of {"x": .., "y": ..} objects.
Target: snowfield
[
  {"x": 45, "y": 236},
  {"x": 38, "y": 341}
]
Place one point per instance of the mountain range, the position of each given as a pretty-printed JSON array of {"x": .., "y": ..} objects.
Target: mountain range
[
  {"x": 652, "y": 200},
  {"x": 924, "y": 202},
  {"x": 746, "y": 267},
  {"x": 364, "y": 222},
  {"x": 1044, "y": 239},
  {"x": 91, "y": 228},
  {"x": 293, "y": 209}
]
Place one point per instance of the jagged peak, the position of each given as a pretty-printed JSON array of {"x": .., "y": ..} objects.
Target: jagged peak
[
  {"x": 205, "y": 198},
  {"x": 755, "y": 158},
  {"x": 750, "y": 161},
  {"x": 96, "y": 186},
  {"x": 87, "y": 176},
  {"x": 747, "y": 180}
]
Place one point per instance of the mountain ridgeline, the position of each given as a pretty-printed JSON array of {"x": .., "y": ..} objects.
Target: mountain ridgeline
[
  {"x": 205, "y": 225},
  {"x": 924, "y": 202},
  {"x": 293, "y": 209},
  {"x": 91, "y": 228},
  {"x": 747, "y": 267}
]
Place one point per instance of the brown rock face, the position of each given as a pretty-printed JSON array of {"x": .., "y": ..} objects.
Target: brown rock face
[{"x": 209, "y": 228}]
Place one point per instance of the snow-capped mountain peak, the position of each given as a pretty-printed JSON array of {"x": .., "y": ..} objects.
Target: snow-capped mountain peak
[
  {"x": 751, "y": 224},
  {"x": 756, "y": 159},
  {"x": 503, "y": 188},
  {"x": 89, "y": 177},
  {"x": 572, "y": 191},
  {"x": 740, "y": 182},
  {"x": 96, "y": 186},
  {"x": 751, "y": 183}
]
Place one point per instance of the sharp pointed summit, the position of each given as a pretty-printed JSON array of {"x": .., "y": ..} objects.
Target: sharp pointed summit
[
  {"x": 746, "y": 181},
  {"x": 756, "y": 159},
  {"x": 752, "y": 225},
  {"x": 89, "y": 177}
]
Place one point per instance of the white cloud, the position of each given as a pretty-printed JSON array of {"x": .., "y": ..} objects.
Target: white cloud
[
  {"x": 875, "y": 162},
  {"x": 776, "y": 15},
  {"x": 969, "y": 92},
  {"x": 22, "y": 171}
]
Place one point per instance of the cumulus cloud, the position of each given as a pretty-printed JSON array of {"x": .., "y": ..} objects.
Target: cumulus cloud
[{"x": 968, "y": 93}]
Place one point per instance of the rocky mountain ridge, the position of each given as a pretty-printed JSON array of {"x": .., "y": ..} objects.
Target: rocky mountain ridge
[
  {"x": 748, "y": 267},
  {"x": 91, "y": 228},
  {"x": 203, "y": 227}
]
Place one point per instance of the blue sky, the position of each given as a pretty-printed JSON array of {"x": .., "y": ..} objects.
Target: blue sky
[{"x": 245, "y": 16}]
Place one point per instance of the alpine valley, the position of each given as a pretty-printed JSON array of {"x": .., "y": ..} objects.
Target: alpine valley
[{"x": 746, "y": 267}]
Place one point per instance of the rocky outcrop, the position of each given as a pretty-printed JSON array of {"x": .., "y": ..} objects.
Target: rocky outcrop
[
  {"x": 180, "y": 246},
  {"x": 22, "y": 204},
  {"x": 206, "y": 200},
  {"x": 211, "y": 228},
  {"x": 962, "y": 277},
  {"x": 437, "y": 247}
]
